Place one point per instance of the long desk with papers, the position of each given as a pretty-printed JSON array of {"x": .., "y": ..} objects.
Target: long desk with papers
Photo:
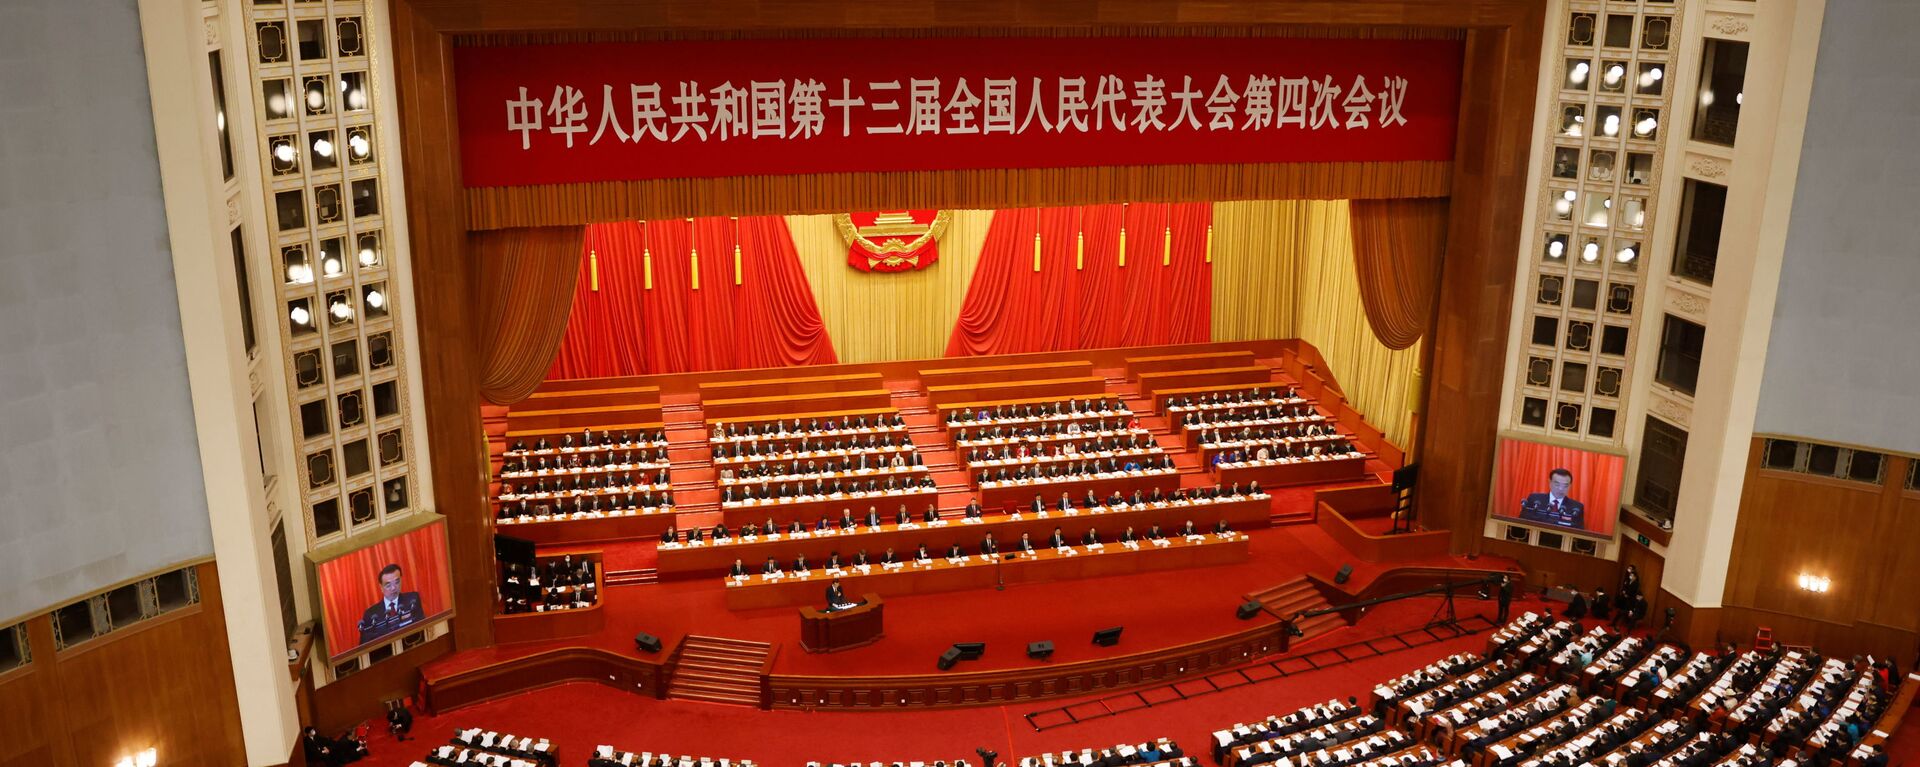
[
  {"x": 714, "y": 557},
  {"x": 1299, "y": 472},
  {"x": 808, "y": 510},
  {"x": 1017, "y": 494},
  {"x": 941, "y": 574}
]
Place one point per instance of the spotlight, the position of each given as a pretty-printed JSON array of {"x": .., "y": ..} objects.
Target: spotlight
[
  {"x": 1612, "y": 125},
  {"x": 358, "y": 143},
  {"x": 300, "y": 315},
  {"x": 299, "y": 273},
  {"x": 323, "y": 147},
  {"x": 1625, "y": 255},
  {"x": 357, "y": 99},
  {"x": 366, "y": 257},
  {"x": 375, "y": 299},
  {"x": 316, "y": 98},
  {"x": 330, "y": 265},
  {"x": 1590, "y": 253},
  {"x": 1645, "y": 126},
  {"x": 1556, "y": 249},
  {"x": 283, "y": 152},
  {"x": 1579, "y": 73},
  {"x": 1614, "y": 73},
  {"x": 277, "y": 104},
  {"x": 340, "y": 310}
]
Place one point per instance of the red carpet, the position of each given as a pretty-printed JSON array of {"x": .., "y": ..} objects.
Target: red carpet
[
  {"x": 1157, "y": 611},
  {"x": 578, "y": 717}
]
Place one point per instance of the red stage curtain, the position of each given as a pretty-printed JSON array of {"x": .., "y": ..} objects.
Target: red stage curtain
[
  {"x": 1082, "y": 298},
  {"x": 526, "y": 281},
  {"x": 624, "y": 328},
  {"x": 1397, "y": 246}
]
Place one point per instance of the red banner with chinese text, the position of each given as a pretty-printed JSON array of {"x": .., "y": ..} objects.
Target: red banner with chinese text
[{"x": 554, "y": 114}]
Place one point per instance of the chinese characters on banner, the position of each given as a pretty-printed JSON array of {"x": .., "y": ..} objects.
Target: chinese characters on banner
[{"x": 615, "y": 111}]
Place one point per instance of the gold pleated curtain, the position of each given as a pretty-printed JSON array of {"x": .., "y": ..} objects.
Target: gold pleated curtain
[
  {"x": 1286, "y": 269},
  {"x": 1396, "y": 254},
  {"x": 881, "y": 317},
  {"x": 525, "y": 295}
]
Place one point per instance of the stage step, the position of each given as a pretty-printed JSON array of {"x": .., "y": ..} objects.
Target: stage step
[
  {"x": 1290, "y": 598},
  {"x": 634, "y": 577},
  {"x": 718, "y": 670}
]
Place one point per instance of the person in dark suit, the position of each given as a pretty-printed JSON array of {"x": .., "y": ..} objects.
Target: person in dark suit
[
  {"x": 954, "y": 551},
  {"x": 739, "y": 570},
  {"x": 770, "y": 567},
  {"x": 888, "y": 558},
  {"x": 1038, "y": 505},
  {"x": 973, "y": 509},
  {"x": 1026, "y": 544},
  {"x": 835, "y": 595},
  {"x": 988, "y": 545},
  {"x": 1577, "y": 608},
  {"x": 1506, "y": 598},
  {"x": 1058, "y": 541},
  {"x": 396, "y": 609},
  {"x": 932, "y": 514},
  {"x": 399, "y": 720},
  {"x": 1092, "y": 537},
  {"x": 1127, "y": 536},
  {"x": 860, "y": 557},
  {"x": 873, "y": 517},
  {"x": 1188, "y": 529},
  {"x": 1554, "y": 507}
]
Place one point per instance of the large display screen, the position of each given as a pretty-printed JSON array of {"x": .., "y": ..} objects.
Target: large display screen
[
  {"x": 1559, "y": 487},
  {"x": 373, "y": 593}
]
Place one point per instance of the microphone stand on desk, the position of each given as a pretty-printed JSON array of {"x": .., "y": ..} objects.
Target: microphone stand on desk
[{"x": 999, "y": 575}]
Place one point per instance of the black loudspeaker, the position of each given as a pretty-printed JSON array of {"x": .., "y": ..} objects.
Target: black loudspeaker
[
  {"x": 1039, "y": 650},
  {"x": 646, "y": 641},
  {"x": 1405, "y": 477},
  {"x": 1346, "y": 571},
  {"x": 948, "y": 658},
  {"x": 1107, "y": 637},
  {"x": 970, "y": 650},
  {"x": 1247, "y": 610}
]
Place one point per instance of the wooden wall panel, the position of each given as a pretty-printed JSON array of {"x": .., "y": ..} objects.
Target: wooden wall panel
[
  {"x": 1550, "y": 568},
  {"x": 1859, "y": 535},
  {"x": 167, "y": 684},
  {"x": 443, "y": 290},
  {"x": 350, "y": 701}
]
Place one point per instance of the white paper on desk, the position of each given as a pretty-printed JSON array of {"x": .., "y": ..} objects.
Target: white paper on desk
[
  {"x": 1501, "y": 751},
  {"x": 1161, "y": 543},
  {"x": 1196, "y": 538},
  {"x": 1096, "y": 546},
  {"x": 1069, "y": 552},
  {"x": 864, "y": 569},
  {"x": 1131, "y": 545}
]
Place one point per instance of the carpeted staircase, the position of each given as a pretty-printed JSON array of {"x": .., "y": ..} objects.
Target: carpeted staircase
[
  {"x": 1289, "y": 598},
  {"x": 718, "y": 670}
]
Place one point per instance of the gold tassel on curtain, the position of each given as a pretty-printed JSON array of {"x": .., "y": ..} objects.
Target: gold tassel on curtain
[
  {"x": 527, "y": 279},
  {"x": 1397, "y": 245},
  {"x": 1036, "y": 251},
  {"x": 646, "y": 259}
]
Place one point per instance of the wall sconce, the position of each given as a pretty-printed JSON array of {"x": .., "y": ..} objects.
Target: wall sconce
[
  {"x": 1817, "y": 584},
  {"x": 147, "y": 758}
]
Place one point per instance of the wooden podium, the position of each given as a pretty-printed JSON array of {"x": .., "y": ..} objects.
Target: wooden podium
[{"x": 822, "y": 631}]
